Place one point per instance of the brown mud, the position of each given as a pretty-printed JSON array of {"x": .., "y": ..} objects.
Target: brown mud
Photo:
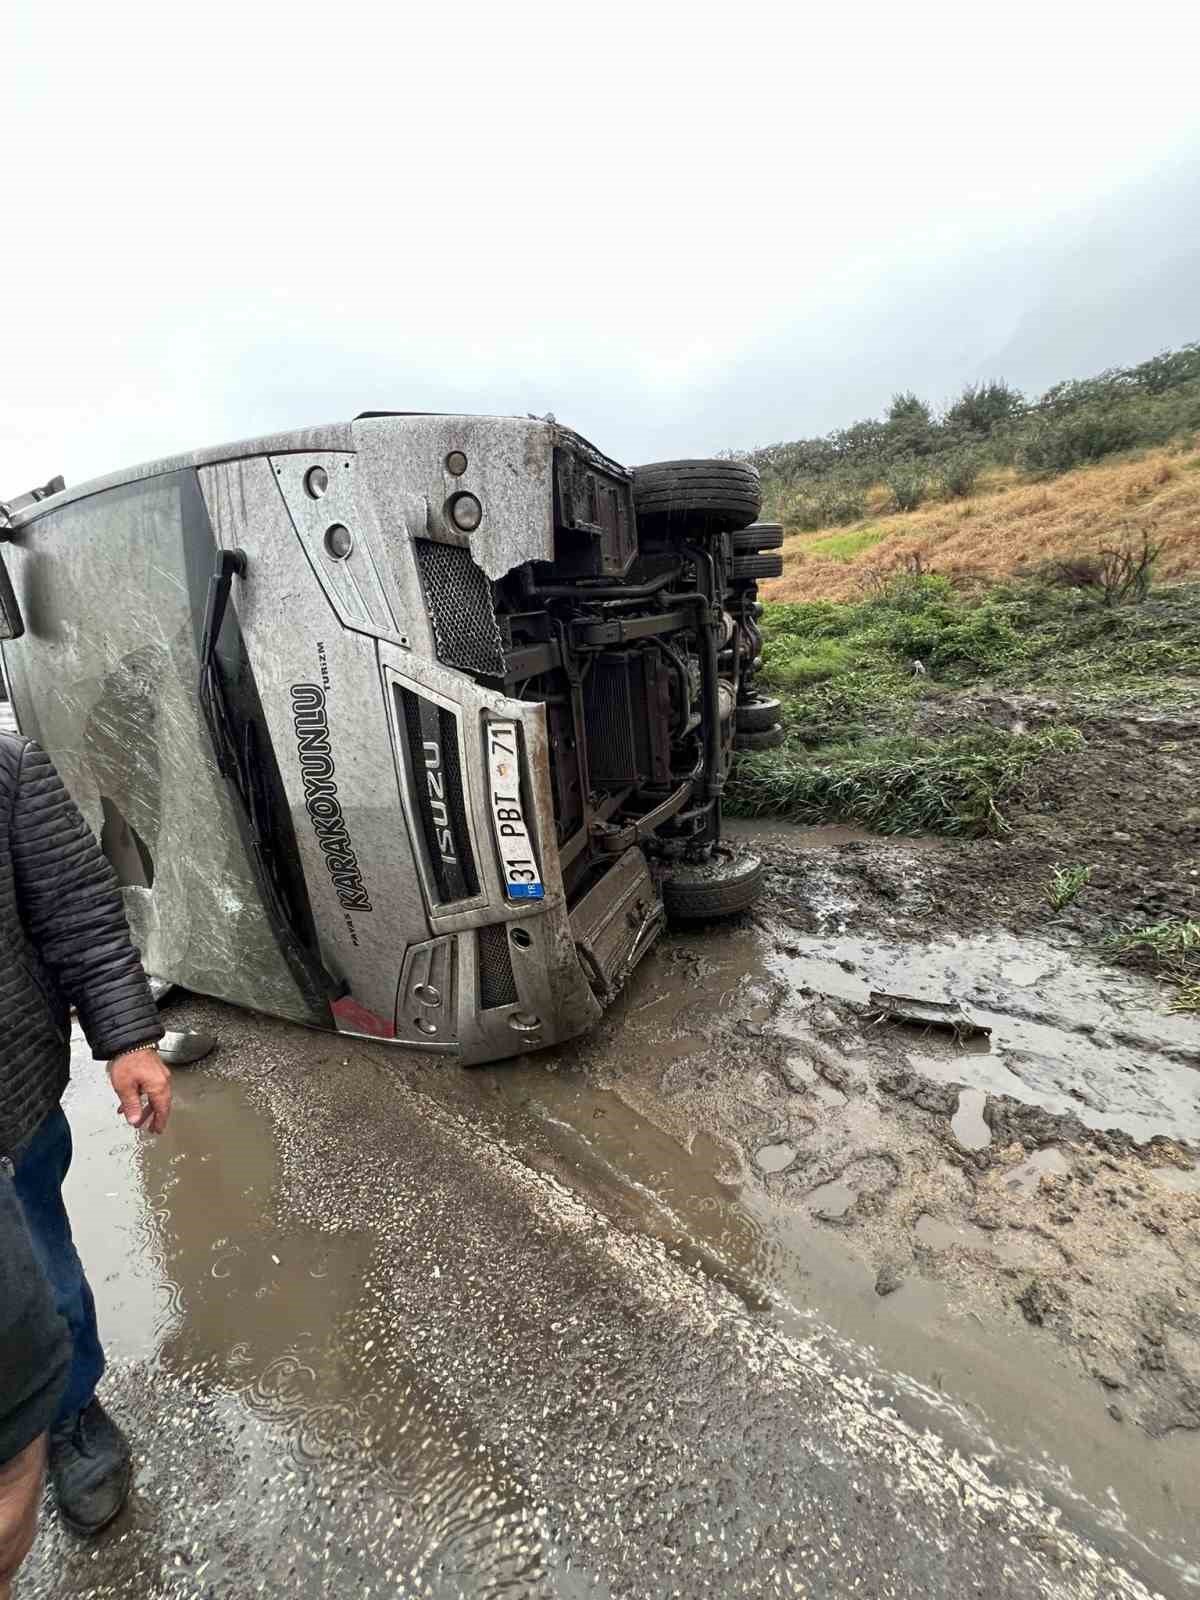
[{"x": 1126, "y": 805}]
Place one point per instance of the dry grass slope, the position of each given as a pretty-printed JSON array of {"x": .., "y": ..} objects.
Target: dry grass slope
[{"x": 1009, "y": 525}]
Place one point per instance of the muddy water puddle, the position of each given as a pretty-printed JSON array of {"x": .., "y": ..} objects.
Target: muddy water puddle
[
  {"x": 819, "y": 836},
  {"x": 1052, "y": 1163},
  {"x": 775, "y": 1157},
  {"x": 831, "y": 1200},
  {"x": 186, "y": 1226},
  {"x": 1066, "y": 1033},
  {"x": 967, "y": 1123},
  {"x": 785, "y": 1257},
  {"x": 768, "y": 1216},
  {"x": 265, "y": 1337},
  {"x": 199, "y": 1275}
]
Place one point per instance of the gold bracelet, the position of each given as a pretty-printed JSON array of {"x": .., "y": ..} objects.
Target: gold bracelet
[{"x": 147, "y": 1044}]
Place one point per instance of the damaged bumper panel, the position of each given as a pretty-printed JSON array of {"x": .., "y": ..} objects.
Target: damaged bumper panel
[{"x": 389, "y": 721}]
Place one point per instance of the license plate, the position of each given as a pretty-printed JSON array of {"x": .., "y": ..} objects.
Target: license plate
[{"x": 522, "y": 880}]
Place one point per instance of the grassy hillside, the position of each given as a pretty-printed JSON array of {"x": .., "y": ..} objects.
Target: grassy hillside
[
  {"x": 1007, "y": 526},
  {"x": 994, "y": 483},
  {"x": 985, "y": 630}
]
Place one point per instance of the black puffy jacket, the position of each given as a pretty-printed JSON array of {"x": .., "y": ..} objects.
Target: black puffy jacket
[{"x": 64, "y": 942}]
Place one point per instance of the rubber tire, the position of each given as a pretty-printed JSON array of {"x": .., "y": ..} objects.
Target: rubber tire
[
  {"x": 700, "y": 496},
  {"x": 724, "y": 886},
  {"x": 758, "y": 714},
  {"x": 758, "y": 536},
  {"x": 760, "y": 739},
  {"x": 767, "y": 565}
]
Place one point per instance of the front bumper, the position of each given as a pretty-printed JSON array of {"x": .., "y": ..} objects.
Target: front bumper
[{"x": 496, "y": 976}]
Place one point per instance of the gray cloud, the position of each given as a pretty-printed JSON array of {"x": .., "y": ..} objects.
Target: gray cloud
[{"x": 679, "y": 229}]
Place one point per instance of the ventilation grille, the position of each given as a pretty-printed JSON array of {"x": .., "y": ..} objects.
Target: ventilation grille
[
  {"x": 497, "y": 986},
  {"x": 436, "y": 775},
  {"x": 613, "y": 720},
  {"x": 627, "y": 709},
  {"x": 459, "y": 598}
]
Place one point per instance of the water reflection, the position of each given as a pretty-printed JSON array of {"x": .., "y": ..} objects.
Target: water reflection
[
  {"x": 244, "y": 1286},
  {"x": 271, "y": 1359}
]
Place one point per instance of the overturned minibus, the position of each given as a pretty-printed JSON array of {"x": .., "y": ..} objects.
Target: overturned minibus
[{"x": 413, "y": 727}]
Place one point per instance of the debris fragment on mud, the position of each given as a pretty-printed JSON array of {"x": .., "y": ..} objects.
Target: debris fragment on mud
[{"x": 924, "y": 1013}]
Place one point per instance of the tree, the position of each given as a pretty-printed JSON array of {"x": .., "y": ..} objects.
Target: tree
[
  {"x": 983, "y": 407},
  {"x": 911, "y": 430},
  {"x": 907, "y": 407}
]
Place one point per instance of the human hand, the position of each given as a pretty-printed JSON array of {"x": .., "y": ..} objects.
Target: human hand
[{"x": 141, "y": 1073}]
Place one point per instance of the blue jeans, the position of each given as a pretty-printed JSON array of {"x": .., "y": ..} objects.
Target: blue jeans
[{"x": 38, "y": 1179}]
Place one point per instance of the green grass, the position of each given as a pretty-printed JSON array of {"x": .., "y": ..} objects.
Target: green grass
[
  {"x": 844, "y": 546},
  {"x": 918, "y": 619},
  {"x": 851, "y": 700},
  {"x": 1172, "y": 941},
  {"x": 959, "y": 786},
  {"x": 1172, "y": 950},
  {"x": 1018, "y": 633},
  {"x": 796, "y": 664},
  {"x": 1065, "y": 884}
]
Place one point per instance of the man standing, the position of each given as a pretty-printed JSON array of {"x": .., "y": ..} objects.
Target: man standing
[{"x": 64, "y": 942}]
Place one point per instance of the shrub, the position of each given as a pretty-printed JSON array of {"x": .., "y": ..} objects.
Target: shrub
[
  {"x": 983, "y": 407},
  {"x": 1073, "y": 572},
  {"x": 1121, "y": 574},
  {"x": 824, "y": 506},
  {"x": 910, "y": 591},
  {"x": 914, "y": 634},
  {"x": 808, "y": 619},
  {"x": 840, "y": 505},
  {"x": 909, "y": 407},
  {"x": 1072, "y": 423},
  {"x": 908, "y": 484},
  {"x": 1058, "y": 444},
  {"x": 943, "y": 635},
  {"x": 984, "y": 639},
  {"x": 958, "y": 473},
  {"x": 1171, "y": 369},
  {"x": 910, "y": 429},
  {"x": 1126, "y": 572}
]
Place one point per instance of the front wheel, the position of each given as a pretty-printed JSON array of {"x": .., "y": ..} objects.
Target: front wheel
[{"x": 727, "y": 883}]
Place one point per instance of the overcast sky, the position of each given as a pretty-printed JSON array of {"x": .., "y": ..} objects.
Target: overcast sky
[{"x": 678, "y": 228}]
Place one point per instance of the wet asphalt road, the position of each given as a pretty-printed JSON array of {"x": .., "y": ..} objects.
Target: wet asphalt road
[{"x": 366, "y": 1347}]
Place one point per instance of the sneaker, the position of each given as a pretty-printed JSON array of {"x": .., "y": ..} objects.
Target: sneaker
[{"x": 91, "y": 1469}]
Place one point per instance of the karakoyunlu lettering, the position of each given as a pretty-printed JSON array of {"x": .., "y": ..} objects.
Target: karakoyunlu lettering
[{"x": 321, "y": 796}]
